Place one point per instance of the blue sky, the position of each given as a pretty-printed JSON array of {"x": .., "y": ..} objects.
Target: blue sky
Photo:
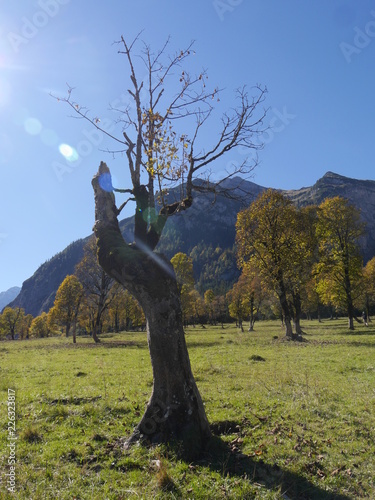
[{"x": 316, "y": 59}]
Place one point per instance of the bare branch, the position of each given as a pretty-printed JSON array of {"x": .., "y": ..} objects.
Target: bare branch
[{"x": 83, "y": 114}]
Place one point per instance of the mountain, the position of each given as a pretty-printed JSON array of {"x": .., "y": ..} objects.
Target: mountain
[
  {"x": 8, "y": 296},
  {"x": 360, "y": 193},
  {"x": 206, "y": 232},
  {"x": 38, "y": 292}
]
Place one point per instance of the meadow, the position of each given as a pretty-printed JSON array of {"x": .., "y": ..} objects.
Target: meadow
[{"x": 290, "y": 420}]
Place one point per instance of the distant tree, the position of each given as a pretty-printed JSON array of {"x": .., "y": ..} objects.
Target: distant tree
[
  {"x": 209, "y": 302},
  {"x": 311, "y": 299},
  {"x": 97, "y": 286},
  {"x": 238, "y": 302},
  {"x": 11, "y": 320},
  {"x": 369, "y": 287},
  {"x": 183, "y": 267},
  {"x": 25, "y": 326},
  {"x": 247, "y": 296},
  {"x": 67, "y": 303},
  {"x": 265, "y": 238},
  {"x": 40, "y": 326},
  {"x": 339, "y": 271},
  {"x": 303, "y": 256},
  {"x": 196, "y": 311},
  {"x": 124, "y": 311}
]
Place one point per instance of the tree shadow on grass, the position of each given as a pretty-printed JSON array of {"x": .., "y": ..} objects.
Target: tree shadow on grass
[{"x": 228, "y": 460}]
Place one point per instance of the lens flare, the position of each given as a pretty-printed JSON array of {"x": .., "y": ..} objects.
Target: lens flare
[
  {"x": 105, "y": 182},
  {"x": 68, "y": 152},
  {"x": 32, "y": 126}
]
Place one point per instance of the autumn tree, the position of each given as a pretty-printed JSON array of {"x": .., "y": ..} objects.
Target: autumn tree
[
  {"x": 369, "y": 286},
  {"x": 183, "y": 268},
  {"x": 311, "y": 299},
  {"x": 67, "y": 303},
  {"x": 25, "y": 326},
  {"x": 11, "y": 320},
  {"x": 339, "y": 270},
  {"x": 161, "y": 139},
  {"x": 40, "y": 326},
  {"x": 124, "y": 311},
  {"x": 303, "y": 256},
  {"x": 97, "y": 285},
  {"x": 238, "y": 302},
  {"x": 246, "y": 297},
  {"x": 265, "y": 239},
  {"x": 196, "y": 311}
]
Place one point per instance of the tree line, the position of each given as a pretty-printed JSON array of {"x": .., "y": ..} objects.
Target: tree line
[{"x": 293, "y": 261}]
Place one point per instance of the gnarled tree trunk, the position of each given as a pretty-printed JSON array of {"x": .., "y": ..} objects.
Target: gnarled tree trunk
[{"x": 175, "y": 410}]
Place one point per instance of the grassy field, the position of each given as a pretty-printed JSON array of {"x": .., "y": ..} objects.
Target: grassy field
[{"x": 291, "y": 420}]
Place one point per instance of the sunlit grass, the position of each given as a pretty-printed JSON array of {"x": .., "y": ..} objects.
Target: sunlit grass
[{"x": 292, "y": 419}]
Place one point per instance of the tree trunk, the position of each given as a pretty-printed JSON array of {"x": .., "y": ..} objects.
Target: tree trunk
[
  {"x": 96, "y": 329},
  {"x": 74, "y": 332},
  {"x": 350, "y": 322},
  {"x": 252, "y": 319},
  {"x": 285, "y": 310},
  {"x": 349, "y": 300},
  {"x": 175, "y": 411},
  {"x": 297, "y": 313}
]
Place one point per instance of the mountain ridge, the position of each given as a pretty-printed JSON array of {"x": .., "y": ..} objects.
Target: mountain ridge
[
  {"x": 8, "y": 296},
  {"x": 206, "y": 232}
]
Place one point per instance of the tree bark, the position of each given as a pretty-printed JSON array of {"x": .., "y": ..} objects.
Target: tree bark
[
  {"x": 285, "y": 310},
  {"x": 297, "y": 313},
  {"x": 96, "y": 329},
  {"x": 175, "y": 411},
  {"x": 252, "y": 318}
]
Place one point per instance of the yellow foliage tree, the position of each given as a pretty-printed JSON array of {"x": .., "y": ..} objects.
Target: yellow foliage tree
[
  {"x": 40, "y": 326},
  {"x": 339, "y": 271},
  {"x": 67, "y": 303}
]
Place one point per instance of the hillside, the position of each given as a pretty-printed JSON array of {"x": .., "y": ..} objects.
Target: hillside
[
  {"x": 206, "y": 232},
  {"x": 38, "y": 292}
]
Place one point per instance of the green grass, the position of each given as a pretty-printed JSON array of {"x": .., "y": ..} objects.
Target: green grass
[{"x": 291, "y": 420}]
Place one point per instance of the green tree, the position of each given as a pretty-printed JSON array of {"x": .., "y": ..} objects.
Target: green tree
[
  {"x": 339, "y": 271},
  {"x": 67, "y": 303},
  {"x": 161, "y": 137}
]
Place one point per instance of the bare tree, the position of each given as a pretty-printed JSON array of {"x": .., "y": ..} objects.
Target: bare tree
[{"x": 159, "y": 156}]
